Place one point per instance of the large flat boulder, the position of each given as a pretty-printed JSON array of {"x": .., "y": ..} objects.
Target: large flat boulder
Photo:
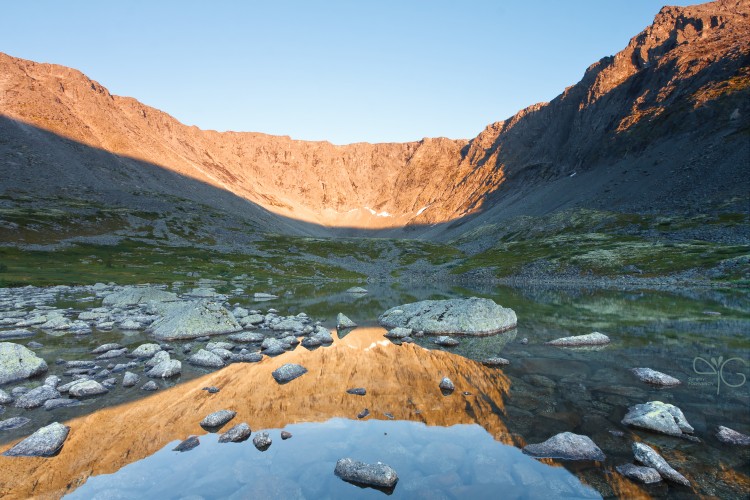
[
  {"x": 43, "y": 443},
  {"x": 473, "y": 316},
  {"x": 134, "y": 295},
  {"x": 194, "y": 319},
  {"x": 17, "y": 362}
]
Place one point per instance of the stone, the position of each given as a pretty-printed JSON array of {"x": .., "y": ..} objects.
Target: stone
[
  {"x": 52, "y": 381},
  {"x": 240, "y": 312},
  {"x": 290, "y": 324},
  {"x": 253, "y": 319},
  {"x": 364, "y": 413},
  {"x": 645, "y": 475},
  {"x": 658, "y": 417},
  {"x": 115, "y": 353},
  {"x": 650, "y": 458},
  {"x": 398, "y": 333},
  {"x": 248, "y": 357},
  {"x": 357, "y": 391},
  {"x": 187, "y": 444},
  {"x": 129, "y": 379},
  {"x": 288, "y": 372},
  {"x": 246, "y": 337},
  {"x": 13, "y": 423},
  {"x": 36, "y": 397},
  {"x": 53, "y": 404},
  {"x": 45, "y": 442},
  {"x": 80, "y": 363},
  {"x": 447, "y": 385},
  {"x": 589, "y": 339},
  {"x": 222, "y": 353},
  {"x": 19, "y": 333},
  {"x": 133, "y": 295},
  {"x": 145, "y": 351},
  {"x": 130, "y": 325},
  {"x": 219, "y": 345},
  {"x": 17, "y": 362},
  {"x": 194, "y": 319},
  {"x": 322, "y": 335},
  {"x": 34, "y": 345},
  {"x": 150, "y": 386},
  {"x": 446, "y": 341},
  {"x": 218, "y": 418},
  {"x": 264, "y": 296},
  {"x": 236, "y": 434},
  {"x": 309, "y": 342},
  {"x": 285, "y": 435},
  {"x": 566, "y": 446},
  {"x": 654, "y": 377},
  {"x": 206, "y": 359},
  {"x": 730, "y": 436},
  {"x": 211, "y": 389},
  {"x": 473, "y": 316},
  {"x": 356, "y": 289},
  {"x": 165, "y": 369},
  {"x": 87, "y": 388},
  {"x": 5, "y": 398},
  {"x": 157, "y": 358},
  {"x": 495, "y": 361},
  {"x": 262, "y": 441},
  {"x": 378, "y": 474},
  {"x": 106, "y": 347},
  {"x": 343, "y": 322}
]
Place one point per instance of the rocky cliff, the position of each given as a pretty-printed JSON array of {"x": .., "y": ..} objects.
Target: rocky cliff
[{"x": 663, "y": 123}]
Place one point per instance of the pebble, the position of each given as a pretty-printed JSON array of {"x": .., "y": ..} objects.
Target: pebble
[
  {"x": 211, "y": 390},
  {"x": 357, "y": 391}
]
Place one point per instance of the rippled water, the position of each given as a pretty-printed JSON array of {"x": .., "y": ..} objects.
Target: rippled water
[{"x": 473, "y": 438}]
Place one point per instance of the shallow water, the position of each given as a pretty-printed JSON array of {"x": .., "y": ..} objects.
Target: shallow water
[{"x": 545, "y": 390}]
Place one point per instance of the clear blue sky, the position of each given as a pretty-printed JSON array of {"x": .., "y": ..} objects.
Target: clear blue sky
[{"x": 344, "y": 71}]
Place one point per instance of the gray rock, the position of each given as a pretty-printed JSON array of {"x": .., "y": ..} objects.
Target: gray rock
[
  {"x": 290, "y": 324},
  {"x": 378, "y": 474},
  {"x": 356, "y": 289},
  {"x": 264, "y": 296},
  {"x": 150, "y": 386},
  {"x": 19, "y": 333},
  {"x": 653, "y": 377},
  {"x": 165, "y": 369},
  {"x": 594, "y": 338},
  {"x": 322, "y": 335},
  {"x": 262, "y": 441},
  {"x": 658, "y": 417},
  {"x": 87, "y": 388},
  {"x": 130, "y": 325},
  {"x": 222, "y": 353},
  {"x": 650, "y": 458},
  {"x": 80, "y": 363},
  {"x": 219, "y": 345},
  {"x": 446, "y": 341},
  {"x": 105, "y": 348},
  {"x": 18, "y": 362},
  {"x": 398, "y": 333},
  {"x": 566, "y": 446},
  {"x": 45, "y": 442},
  {"x": 310, "y": 342},
  {"x": 34, "y": 345},
  {"x": 495, "y": 361},
  {"x": 52, "y": 381},
  {"x": 447, "y": 385},
  {"x": 206, "y": 359},
  {"x": 249, "y": 357},
  {"x": 730, "y": 436},
  {"x": 273, "y": 347},
  {"x": 364, "y": 413},
  {"x": 253, "y": 319},
  {"x": 187, "y": 444},
  {"x": 246, "y": 337},
  {"x": 646, "y": 475},
  {"x": 53, "y": 404},
  {"x": 218, "y": 418},
  {"x": 5, "y": 398},
  {"x": 66, "y": 387},
  {"x": 357, "y": 391},
  {"x": 36, "y": 397},
  {"x": 129, "y": 379},
  {"x": 132, "y": 295},
  {"x": 236, "y": 434},
  {"x": 472, "y": 316},
  {"x": 157, "y": 358},
  {"x": 194, "y": 319},
  {"x": 110, "y": 383},
  {"x": 13, "y": 423},
  {"x": 240, "y": 312},
  {"x": 144, "y": 351},
  {"x": 285, "y": 435},
  {"x": 211, "y": 389},
  {"x": 19, "y": 391},
  {"x": 288, "y": 372},
  {"x": 115, "y": 353},
  {"x": 343, "y": 322}
]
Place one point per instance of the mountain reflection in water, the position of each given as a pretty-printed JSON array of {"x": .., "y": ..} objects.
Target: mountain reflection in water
[{"x": 400, "y": 380}]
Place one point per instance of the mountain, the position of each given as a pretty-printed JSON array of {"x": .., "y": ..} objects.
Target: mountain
[{"x": 662, "y": 126}]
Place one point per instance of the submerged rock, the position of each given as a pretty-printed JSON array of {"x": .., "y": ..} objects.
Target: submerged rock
[
  {"x": 36, "y": 397},
  {"x": 566, "y": 446},
  {"x": 378, "y": 474},
  {"x": 17, "y": 362},
  {"x": 645, "y": 475},
  {"x": 343, "y": 322},
  {"x": 650, "y": 458},
  {"x": 236, "y": 434},
  {"x": 495, "y": 361},
  {"x": 594, "y": 338},
  {"x": 45, "y": 442},
  {"x": 13, "y": 423},
  {"x": 53, "y": 404},
  {"x": 187, "y": 444},
  {"x": 658, "y": 417},
  {"x": 19, "y": 333},
  {"x": 654, "y": 377},
  {"x": 730, "y": 436},
  {"x": 473, "y": 316},
  {"x": 218, "y": 418},
  {"x": 446, "y": 341},
  {"x": 194, "y": 319},
  {"x": 356, "y": 289},
  {"x": 262, "y": 441},
  {"x": 288, "y": 372},
  {"x": 150, "y": 386}
]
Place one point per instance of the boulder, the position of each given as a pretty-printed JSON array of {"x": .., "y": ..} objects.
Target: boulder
[
  {"x": 566, "y": 446},
  {"x": 150, "y": 386},
  {"x": 157, "y": 358},
  {"x": 206, "y": 359},
  {"x": 165, "y": 369},
  {"x": 87, "y": 388},
  {"x": 594, "y": 338},
  {"x": 134, "y": 295},
  {"x": 343, "y": 322},
  {"x": 658, "y": 417},
  {"x": 730, "y": 436},
  {"x": 144, "y": 351},
  {"x": 262, "y": 441},
  {"x": 650, "y": 458},
  {"x": 288, "y": 372},
  {"x": 45, "y": 442},
  {"x": 446, "y": 341},
  {"x": 473, "y": 316},
  {"x": 495, "y": 361},
  {"x": 291, "y": 324},
  {"x": 247, "y": 337},
  {"x": 653, "y": 377},
  {"x": 236, "y": 434},
  {"x": 645, "y": 475},
  {"x": 378, "y": 474},
  {"x": 129, "y": 379},
  {"x": 249, "y": 357},
  {"x": 218, "y": 418},
  {"x": 18, "y": 362},
  {"x": 398, "y": 332},
  {"x": 36, "y": 397},
  {"x": 187, "y": 444},
  {"x": 114, "y": 353},
  {"x": 106, "y": 347},
  {"x": 194, "y": 319}
]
